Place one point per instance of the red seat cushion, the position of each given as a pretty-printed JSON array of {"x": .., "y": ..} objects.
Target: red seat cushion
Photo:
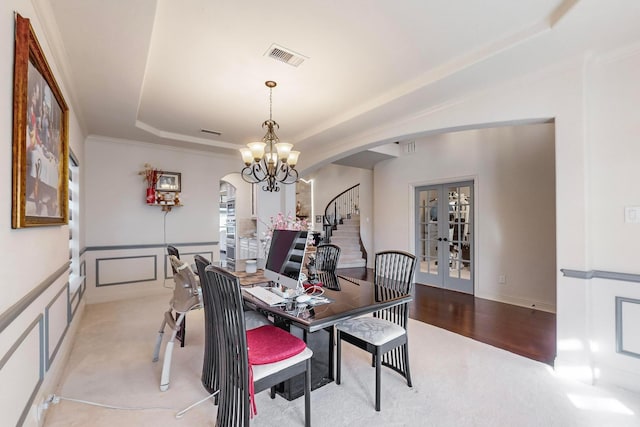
[
  {"x": 269, "y": 344},
  {"x": 308, "y": 285}
]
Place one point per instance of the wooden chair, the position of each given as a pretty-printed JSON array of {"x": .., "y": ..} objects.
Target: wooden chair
[
  {"x": 385, "y": 334},
  {"x": 186, "y": 297},
  {"x": 238, "y": 379}
]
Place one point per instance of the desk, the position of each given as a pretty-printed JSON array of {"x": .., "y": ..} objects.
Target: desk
[{"x": 316, "y": 324}]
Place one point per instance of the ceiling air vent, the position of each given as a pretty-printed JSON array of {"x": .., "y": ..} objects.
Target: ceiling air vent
[
  {"x": 212, "y": 132},
  {"x": 285, "y": 55},
  {"x": 409, "y": 147}
]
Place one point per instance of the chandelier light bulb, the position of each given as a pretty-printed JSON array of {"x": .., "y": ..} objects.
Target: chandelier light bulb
[
  {"x": 293, "y": 158},
  {"x": 257, "y": 150},
  {"x": 247, "y": 156},
  {"x": 283, "y": 149}
]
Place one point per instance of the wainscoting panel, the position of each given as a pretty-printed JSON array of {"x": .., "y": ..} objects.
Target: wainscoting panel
[
  {"x": 135, "y": 271},
  {"x": 75, "y": 298},
  {"x": 57, "y": 321},
  {"x": 123, "y": 270},
  {"x": 32, "y": 332},
  {"x": 627, "y": 321},
  {"x": 22, "y": 372}
]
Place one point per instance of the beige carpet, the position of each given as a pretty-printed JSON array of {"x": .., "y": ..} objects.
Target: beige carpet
[{"x": 457, "y": 382}]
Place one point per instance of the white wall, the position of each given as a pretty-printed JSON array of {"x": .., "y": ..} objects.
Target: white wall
[
  {"x": 124, "y": 233},
  {"x": 115, "y": 194},
  {"x": 613, "y": 154},
  {"x": 49, "y": 245},
  {"x": 126, "y": 238},
  {"x": 557, "y": 92},
  {"x": 31, "y": 256},
  {"x": 593, "y": 101},
  {"x": 513, "y": 169},
  {"x": 269, "y": 204}
]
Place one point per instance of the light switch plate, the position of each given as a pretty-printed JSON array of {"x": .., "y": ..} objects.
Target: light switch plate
[{"x": 632, "y": 214}]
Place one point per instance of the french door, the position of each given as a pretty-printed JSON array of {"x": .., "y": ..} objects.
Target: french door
[{"x": 444, "y": 235}]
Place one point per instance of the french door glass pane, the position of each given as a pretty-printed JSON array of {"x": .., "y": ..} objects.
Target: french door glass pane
[
  {"x": 459, "y": 232},
  {"x": 428, "y": 234}
]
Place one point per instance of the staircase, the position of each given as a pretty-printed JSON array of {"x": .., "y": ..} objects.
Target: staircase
[{"x": 347, "y": 236}]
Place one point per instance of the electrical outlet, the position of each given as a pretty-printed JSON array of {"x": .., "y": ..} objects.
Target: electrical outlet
[
  {"x": 632, "y": 214},
  {"x": 502, "y": 279}
]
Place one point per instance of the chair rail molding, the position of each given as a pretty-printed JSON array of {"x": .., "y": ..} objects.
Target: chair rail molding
[{"x": 600, "y": 274}]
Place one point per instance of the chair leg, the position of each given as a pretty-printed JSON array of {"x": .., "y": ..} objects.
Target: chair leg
[
  {"x": 338, "y": 358},
  {"x": 156, "y": 350},
  {"x": 307, "y": 395},
  {"x": 406, "y": 364},
  {"x": 378, "y": 358},
  {"x": 182, "y": 334},
  {"x": 166, "y": 366}
]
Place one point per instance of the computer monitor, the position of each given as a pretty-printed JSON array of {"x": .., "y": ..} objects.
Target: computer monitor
[{"x": 286, "y": 256}]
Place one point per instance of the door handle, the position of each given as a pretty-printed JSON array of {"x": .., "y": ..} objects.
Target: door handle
[
  {"x": 445, "y": 239},
  {"x": 442, "y": 239}
]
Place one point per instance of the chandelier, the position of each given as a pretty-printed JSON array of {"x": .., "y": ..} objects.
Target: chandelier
[{"x": 270, "y": 161}]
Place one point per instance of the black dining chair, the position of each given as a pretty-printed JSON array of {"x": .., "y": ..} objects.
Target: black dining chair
[
  {"x": 186, "y": 297},
  {"x": 238, "y": 379},
  {"x": 327, "y": 257},
  {"x": 385, "y": 334},
  {"x": 253, "y": 320}
]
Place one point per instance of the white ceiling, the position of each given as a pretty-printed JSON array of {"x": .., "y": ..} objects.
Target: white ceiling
[{"x": 160, "y": 71}]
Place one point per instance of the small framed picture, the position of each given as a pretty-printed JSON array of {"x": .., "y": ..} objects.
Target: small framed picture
[
  {"x": 168, "y": 181},
  {"x": 318, "y": 219}
]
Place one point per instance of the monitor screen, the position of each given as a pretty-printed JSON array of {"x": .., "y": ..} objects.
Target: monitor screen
[{"x": 286, "y": 256}]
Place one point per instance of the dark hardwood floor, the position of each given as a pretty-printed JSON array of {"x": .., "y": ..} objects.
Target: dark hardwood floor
[{"x": 527, "y": 332}]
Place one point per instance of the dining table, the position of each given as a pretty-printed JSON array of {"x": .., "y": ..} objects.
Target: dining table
[{"x": 314, "y": 323}]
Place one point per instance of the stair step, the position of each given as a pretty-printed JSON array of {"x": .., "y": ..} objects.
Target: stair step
[
  {"x": 349, "y": 259},
  {"x": 352, "y": 252},
  {"x": 352, "y": 264},
  {"x": 347, "y": 247},
  {"x": 347, "y": 237},
  {"x": 346, "y": 232}
]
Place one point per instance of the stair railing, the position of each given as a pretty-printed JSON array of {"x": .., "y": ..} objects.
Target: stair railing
[{"x": 340, "y": 207}]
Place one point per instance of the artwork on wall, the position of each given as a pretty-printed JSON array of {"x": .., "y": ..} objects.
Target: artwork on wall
[
  {"x": 168, "y": 181},
  {"x": 40, "y": 137}
]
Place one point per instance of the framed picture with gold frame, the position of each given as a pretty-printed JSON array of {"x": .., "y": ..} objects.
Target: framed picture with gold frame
[{"x": 40, "y": 137}]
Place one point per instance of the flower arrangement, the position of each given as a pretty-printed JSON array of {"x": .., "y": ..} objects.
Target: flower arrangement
[
  {"x": 281, "y": 222},
  {"x": 150, "y": 175}
]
